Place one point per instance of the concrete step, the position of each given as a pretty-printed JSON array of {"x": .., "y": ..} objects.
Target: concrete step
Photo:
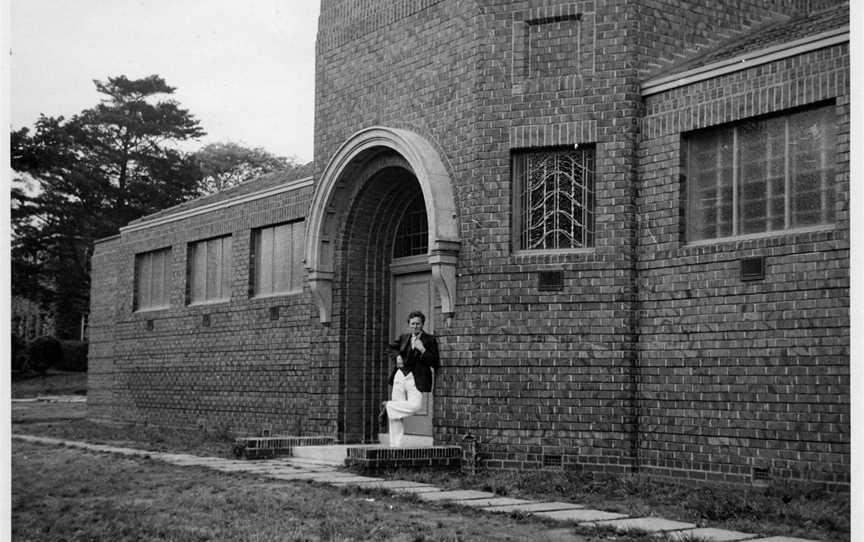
[{"x": 333, "y": 454}]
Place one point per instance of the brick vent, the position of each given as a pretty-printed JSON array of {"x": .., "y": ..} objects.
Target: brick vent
[
  {"x": 268, "y": 447},
  {"x": 373, "y": 458}
]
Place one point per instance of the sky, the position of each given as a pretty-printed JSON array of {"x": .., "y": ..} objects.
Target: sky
[{"x": 244, "y": 68}]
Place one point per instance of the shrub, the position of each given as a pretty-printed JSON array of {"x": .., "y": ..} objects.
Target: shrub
[
  {"x": 43, "y": 353},
  {"x": 74, "y": 356},
  {"x": 19, "y": 353}
]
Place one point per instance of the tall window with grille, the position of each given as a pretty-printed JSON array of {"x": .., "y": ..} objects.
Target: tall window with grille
[
  {"x": 759, "y": 176},
  {"x": 554, "y": 198},
  {"x": 276, "y": 260},
  {"x": 151, "y": 280},
  {"x": 209, "y": 270},
  {"x": 412, "y": 235}
]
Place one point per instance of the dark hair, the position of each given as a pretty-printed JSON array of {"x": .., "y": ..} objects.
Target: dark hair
[{"x": 417, "y": 314}]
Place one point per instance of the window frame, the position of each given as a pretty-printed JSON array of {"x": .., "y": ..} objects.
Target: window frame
[
  {"x": 690, "y": 190},
  {"x": 517, "y": 180},
  {"x": 255, "y": 266},
  {"x": 225, "y": 280},
  {"x": 138, "y": 262}
]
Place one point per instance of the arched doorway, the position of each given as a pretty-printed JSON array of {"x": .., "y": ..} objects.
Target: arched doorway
[
  {"x": 375, "y": 190},
  {"x": 382, "y": 269}
]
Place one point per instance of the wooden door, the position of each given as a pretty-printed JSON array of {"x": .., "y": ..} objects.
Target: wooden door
[{"x": 413, "y": 291}]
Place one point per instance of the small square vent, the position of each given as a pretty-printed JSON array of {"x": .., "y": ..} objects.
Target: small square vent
[
  {"x": 552, "y": 460},
  {"x": 761, "y": 476},
  {"x": 753, "y": 268},
  {"x": 149, "y": 325},
  {"x": 205, "y": 320},
  {"x": 274, "y": 313},
  {"x": 550, "y": 281}
]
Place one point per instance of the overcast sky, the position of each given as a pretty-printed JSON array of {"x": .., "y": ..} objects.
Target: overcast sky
[{"x": 244, "y": 68}]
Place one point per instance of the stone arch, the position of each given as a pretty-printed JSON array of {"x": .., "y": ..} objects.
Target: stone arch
[{"x": 335, "y": 192}]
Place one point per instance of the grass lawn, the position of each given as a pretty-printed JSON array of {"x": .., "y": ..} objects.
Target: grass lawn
[
  {"x": 53, "y": 383},
  {"x": 68, "y": 494},
  {"x": 104, "y": 492}
]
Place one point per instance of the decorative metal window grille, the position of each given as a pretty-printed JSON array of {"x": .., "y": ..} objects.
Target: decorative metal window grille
[
  {"x": 412, "y": 236},
  {"x": 762, "y": 175},
  {"x": 554, "y": 199}
]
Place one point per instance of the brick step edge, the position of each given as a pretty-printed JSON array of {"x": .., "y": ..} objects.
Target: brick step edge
[
  {"x": 269, "y": 447},
  {"x": 376, "y": 458}
]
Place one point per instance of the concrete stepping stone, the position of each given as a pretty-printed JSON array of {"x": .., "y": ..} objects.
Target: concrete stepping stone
[
  {"x": 357, "y": 480},
  {"x": 456, "y": 495},
  {"x": 580, "y": 515},
  {"x": 534, "y": 507},
  {"x": 782, "y": 539},
  {"x": 711, "y": 535},
  {"x": 416, "y": 489},
  {"x": 495, "y": 501},
  {"x": 396, "y": 484},
  {"x": 651, "y": 525}
]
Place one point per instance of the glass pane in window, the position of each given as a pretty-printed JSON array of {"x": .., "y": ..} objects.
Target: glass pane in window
[
  {"x": 753, "y": 176},
  {"x": 197, "y": 275},
  {"x": 282, "y": 268},
  {"x": 298, "y": 244},
  {"x": 412, "y": 235},
  {"x": 157, "y": 280},
  {"x": 225, "y": 267},
  {"x": 811, "y": 143},
  {"x": 264, "y": 261},
  {"x": 710, "y": 184}
]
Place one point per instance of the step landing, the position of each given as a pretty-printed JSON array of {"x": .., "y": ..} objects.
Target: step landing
[
  {"x": 419, "y": 453},
  {"x": 270, "y": 447}
]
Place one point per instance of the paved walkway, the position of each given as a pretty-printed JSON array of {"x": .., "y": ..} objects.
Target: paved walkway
[{"x": 292, "y": 468}]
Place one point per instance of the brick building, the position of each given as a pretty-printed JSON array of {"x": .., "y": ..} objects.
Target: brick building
[{"x": 627, "y": 220}]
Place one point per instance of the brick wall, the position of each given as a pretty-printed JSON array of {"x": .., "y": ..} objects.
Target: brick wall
[
  {"x": 742, "y": 375},
  {"x": 101, "y": 388},
  {"x": 653, "y": 355},
  {"x": 670, "y": 30},
  {"x": 244, "y": 371}
]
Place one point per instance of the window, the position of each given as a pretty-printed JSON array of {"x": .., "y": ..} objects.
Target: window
[
  {"x": 764, "y": 175},
  {"x": 554, "y": 199},
  {"x": 151, "y": 280},
  {"x": 209, "y": 270},
  {"x": 277, "y": 259},
  {"x": 412, "y": 236}
]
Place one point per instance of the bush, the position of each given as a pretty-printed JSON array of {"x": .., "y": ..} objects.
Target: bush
[
  {"x": 19, "y": 353},
  {"x": 74, "y": 356},
  {"x": 43, "y": 353}
]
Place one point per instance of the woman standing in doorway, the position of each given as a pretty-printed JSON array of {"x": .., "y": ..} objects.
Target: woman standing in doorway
[{"x": 416, "y": 362}]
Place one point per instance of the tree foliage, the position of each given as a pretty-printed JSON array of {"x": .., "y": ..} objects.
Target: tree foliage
[
  {"x": 93, "y": 173},
  {"x": 228, "y": 164}
]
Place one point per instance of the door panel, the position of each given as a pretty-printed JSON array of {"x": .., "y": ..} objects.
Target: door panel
[{"x": 414, "y": 292}]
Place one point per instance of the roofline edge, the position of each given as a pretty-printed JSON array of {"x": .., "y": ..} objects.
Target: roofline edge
[
  {"x": 746, "y": 61},
  {"x": 224, "y": 204}
]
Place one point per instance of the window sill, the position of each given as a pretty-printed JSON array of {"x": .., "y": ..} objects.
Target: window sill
[
  {"x": 527, "y": 254},
  {"x": 759, "y": 236},
  {"x": 278, "y": 294},
  {"x": 150, "y": 310},
  {"x": 206, "y": 303}
]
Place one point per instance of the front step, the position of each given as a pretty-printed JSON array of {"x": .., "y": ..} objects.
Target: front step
[
  {"x": 270, "y": 447},
  {"x": 365, "y": 457}
]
